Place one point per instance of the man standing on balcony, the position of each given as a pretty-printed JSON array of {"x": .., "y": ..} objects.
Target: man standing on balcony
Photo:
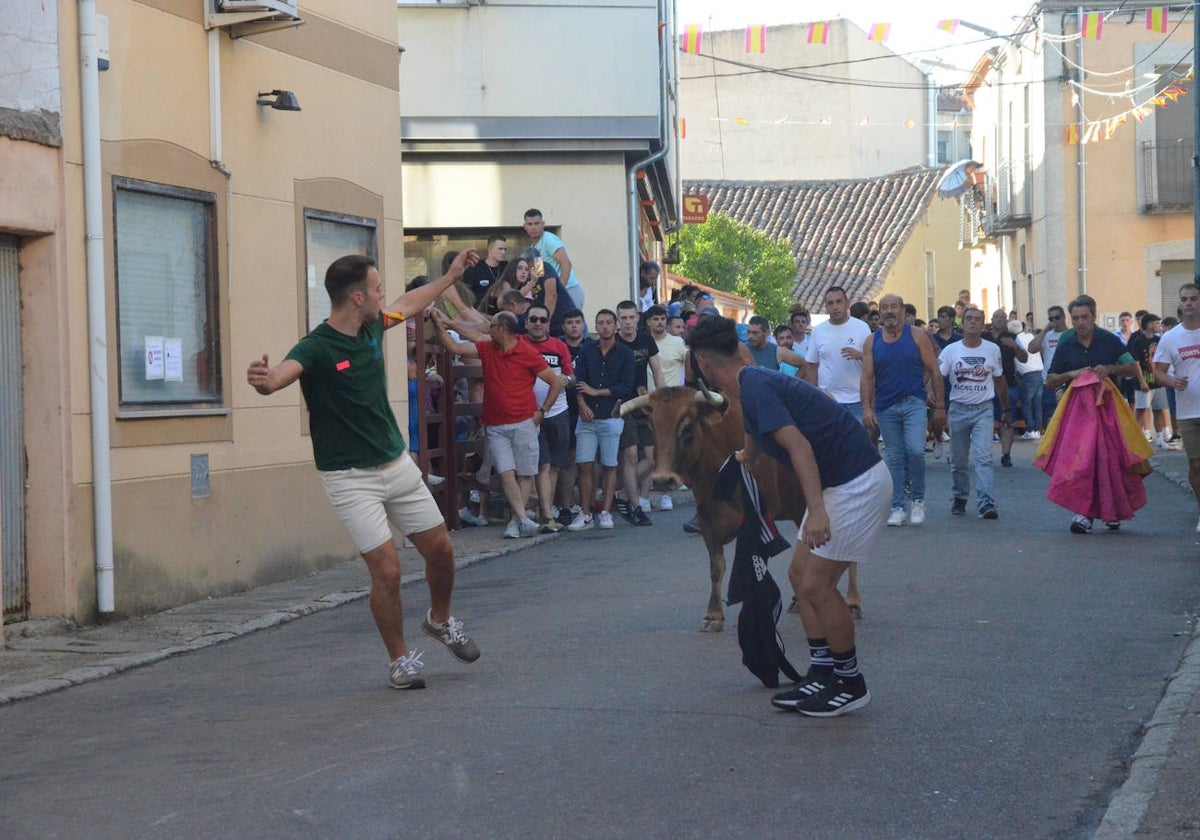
[
  {"x": 554, "y": 252},
  {"x": 360, "y": 453}
]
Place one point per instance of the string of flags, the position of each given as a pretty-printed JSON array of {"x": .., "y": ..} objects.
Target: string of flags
[
  {"x": 1097, "y": 130},
  {"x": 1091, "y": 27}
]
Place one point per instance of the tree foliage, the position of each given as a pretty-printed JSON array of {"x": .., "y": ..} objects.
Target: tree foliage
[{"x": 734, "y": 257}]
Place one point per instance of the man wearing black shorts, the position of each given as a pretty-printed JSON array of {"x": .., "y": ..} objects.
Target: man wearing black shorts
[
  {"x": 638, "y": 434},
  {"x": 554, "y": 435},
  {"x": 847, "y": 489}
]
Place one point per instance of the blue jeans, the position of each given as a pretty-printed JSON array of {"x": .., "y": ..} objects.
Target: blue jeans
[
  {"x": 855, "y": 409},
  {"x": 971, "y": 430},
  {"x": 902, "y": 426},
  {"x": 1031, "y": 400}
]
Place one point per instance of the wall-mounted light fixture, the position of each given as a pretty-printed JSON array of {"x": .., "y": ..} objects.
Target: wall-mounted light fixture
[{"x": 284, "y": 100}]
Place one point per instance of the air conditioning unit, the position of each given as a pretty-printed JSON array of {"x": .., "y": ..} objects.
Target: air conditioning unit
[{"x": 283, "y": 7}]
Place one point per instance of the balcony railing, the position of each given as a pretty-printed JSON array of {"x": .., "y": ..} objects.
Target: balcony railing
[
  {"x": 1167, "y": 176},
  {"x": 1007, "y": 194}
]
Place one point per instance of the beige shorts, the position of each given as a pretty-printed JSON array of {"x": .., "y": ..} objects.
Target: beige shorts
[
  {"x": 857, "y": 511},
  {"x": 366, "y": 500}
]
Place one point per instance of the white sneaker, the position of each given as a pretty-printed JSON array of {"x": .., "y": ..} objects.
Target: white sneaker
[
  {"x": 644, "y": 504},
  {"x": 580, "y": 522},
  {"x": 434, "y": 480},
  {"x": 528, "y": 527},
  {"x": 465, "y": 515},
  {"x": 917, "y": 516},
  {"x": 1198, "y": 526},
  {"x": 683, "y": 488},
  {"x": 896, "y": 517},
  {"x": 512, "y": 531},
  {"x": 604, "y": 520},
  {"x": 938, "y": 448},
  {"x": 474, "y": 496},
  {"x": 666, "y": 503},
  {"x": 1029, "y": 436}
]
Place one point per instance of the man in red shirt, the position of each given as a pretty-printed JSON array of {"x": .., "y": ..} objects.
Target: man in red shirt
[{"x": 510, "y": 409}]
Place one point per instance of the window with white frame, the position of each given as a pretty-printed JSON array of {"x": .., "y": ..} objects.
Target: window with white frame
[
  {"x": 328, "y": 236},
  {"x": 167, "y": 313}
]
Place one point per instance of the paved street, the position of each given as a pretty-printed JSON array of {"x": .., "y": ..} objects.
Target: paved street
[{"x": 1012, "y": 667}]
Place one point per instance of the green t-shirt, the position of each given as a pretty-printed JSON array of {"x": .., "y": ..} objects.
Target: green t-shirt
[{"x": 351, "y": 421}]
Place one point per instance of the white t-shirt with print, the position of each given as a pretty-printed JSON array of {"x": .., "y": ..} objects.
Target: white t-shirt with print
[
  {"x": 1180, "y": 348},
  {"x": 972, "y": 371}
]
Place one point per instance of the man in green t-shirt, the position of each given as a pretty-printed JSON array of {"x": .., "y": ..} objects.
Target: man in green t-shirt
[{"x": 359, "y": 451}]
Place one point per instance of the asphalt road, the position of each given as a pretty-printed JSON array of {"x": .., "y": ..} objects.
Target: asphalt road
[{"x": 1011, "y": 664}]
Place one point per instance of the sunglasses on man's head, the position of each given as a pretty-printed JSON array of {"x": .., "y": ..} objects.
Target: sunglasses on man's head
[{"x": 534, "y": 319}]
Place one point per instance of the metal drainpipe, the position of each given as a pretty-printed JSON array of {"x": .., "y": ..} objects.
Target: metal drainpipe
[
  {"x": 634, "y": 261},
  {"x": 1082, "y": 171},
  {"x": 93, "y": 217}
]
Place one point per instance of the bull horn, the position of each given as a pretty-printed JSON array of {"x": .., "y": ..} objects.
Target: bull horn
[
  {"x": 705, "y": 395},
  {"x": 641, "y": 401}
]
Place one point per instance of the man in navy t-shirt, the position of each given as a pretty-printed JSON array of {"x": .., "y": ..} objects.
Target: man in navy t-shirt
[{"x": 847, "y": 490}]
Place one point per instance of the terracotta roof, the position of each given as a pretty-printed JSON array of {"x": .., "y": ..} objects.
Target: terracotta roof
[
  {"x": 952, "y": 99},
  {"x": 843, "y": 233}
]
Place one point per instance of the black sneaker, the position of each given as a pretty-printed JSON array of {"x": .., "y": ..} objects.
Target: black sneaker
[
  {"x": 1081, "y": 525},
  {"x": 989, "y": 511},
  {"x": 625, "y": 509},
  {"x": 1006, "y": 460},
  {"x": 1113, "y": 526},
  {"x": 692, "y": 526},
  {"x": 959, "y": 508},
  {"x": 810, "y": 684},
  {"x": 836, "y": 698},
  {"x": 639, "y": 517}
]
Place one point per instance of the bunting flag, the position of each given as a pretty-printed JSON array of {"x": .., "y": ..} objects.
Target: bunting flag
[
  {"x": 950, "y": 26},
  {"x": 909, "y": 123},
  {"x": 682, "y": 128},
  {"x": 689, "y": 41},
  {"x": 1092, "y": 25},
  {"x": 865, "y": 120},
  {"x": 879, "y": 32},
  {"x": 1106, "y": 129},
  {"x": 740, "y": 121},
  {"x": 756, "y": 40},
  {"x": 1156, "y": 19},
  {"x": 818, "y": 33},
  {"x": 823, "y": 121},
  {"x": 954, "y": 122}
]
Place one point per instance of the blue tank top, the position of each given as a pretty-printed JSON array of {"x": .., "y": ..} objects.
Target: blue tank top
[
  {"x": 899, "y": 371},
  {"x": 766, "y": 356}
]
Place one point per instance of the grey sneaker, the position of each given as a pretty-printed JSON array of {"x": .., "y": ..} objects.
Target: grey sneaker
[
  {"x": 452, "y": 636},
  {"x": 527, "y": 527},
  {"x": 512, "y": 531},
  {"x": 406, "y": 672}
]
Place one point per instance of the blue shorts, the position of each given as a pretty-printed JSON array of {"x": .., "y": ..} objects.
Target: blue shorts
[{"x": 603, "y": 435}]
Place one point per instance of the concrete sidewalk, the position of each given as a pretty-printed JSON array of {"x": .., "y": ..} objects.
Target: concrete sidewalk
[{"x": 45, "y": 656}]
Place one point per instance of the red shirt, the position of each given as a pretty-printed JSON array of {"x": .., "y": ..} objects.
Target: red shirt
[{"x": 508, "y": 382}]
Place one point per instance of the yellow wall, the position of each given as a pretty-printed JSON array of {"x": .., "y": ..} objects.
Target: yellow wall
[{"x": 936, "y": 233}]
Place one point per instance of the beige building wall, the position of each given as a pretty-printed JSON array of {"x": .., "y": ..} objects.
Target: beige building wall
[
  {"x": 797, "y": 129},
  {"x": 1126, "y": 246},
  {"x": 266, "y": 518},
  {"x": 931, "y": 267}
]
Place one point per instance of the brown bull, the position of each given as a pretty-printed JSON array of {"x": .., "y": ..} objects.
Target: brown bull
[{"x": 693, "y": 435}]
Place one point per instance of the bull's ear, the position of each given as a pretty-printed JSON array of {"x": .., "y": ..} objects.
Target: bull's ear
[{"x": 712, "y": 415}]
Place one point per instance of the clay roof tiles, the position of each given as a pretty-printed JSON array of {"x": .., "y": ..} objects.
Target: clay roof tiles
[{"x": 843, "y": 233}]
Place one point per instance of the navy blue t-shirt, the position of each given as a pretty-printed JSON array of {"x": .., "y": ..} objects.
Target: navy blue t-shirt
[
  {"x": 772, "y": 400},
  {"x": 1105, "y": 349}
]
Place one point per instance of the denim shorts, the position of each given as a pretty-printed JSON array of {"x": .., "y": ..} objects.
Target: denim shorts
[{"x": 603, "y": 435}]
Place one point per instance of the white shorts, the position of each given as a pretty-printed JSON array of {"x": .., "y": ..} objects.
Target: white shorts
[
  {"x": 366, "y": 500},
  {"x": 1155, "y": 399},
  {"x": 857, "y": 512}
]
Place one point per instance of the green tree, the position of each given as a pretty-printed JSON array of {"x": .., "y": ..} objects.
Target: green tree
[{"x": 734, "y": 257}]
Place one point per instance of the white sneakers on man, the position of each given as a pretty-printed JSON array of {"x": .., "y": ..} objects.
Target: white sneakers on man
[{"x": 917, "y": 515}]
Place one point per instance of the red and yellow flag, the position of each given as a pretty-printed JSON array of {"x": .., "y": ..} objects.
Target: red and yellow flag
[
  {"x": 689, "y": 41},
  {"x": 756, "y": 40},
  {"x": 879, "y": 32},
  {"x": 682, "y": 128},
  {"x": 1092, "y": 25},
  {"x": 818, "y": 33},
  {"x": 950, "y": 26},
  {"x": 1156, "y": 19}
]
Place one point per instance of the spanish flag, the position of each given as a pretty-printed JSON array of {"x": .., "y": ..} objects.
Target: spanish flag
[
  {"x": 818, "y": 33},
  {"x": 950, "y": 26},
  {"x": 1156, "y": 19},
  {"x": 689, "y": 41},
  {"x": 682, "y": 128},
  {"x": 879, "y": 32},
  {"x": 756, "y": 40},
  {"x": 1092, "y": 25}
]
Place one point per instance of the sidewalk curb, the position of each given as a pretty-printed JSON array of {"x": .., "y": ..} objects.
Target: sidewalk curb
[
  {"x": 275, "y": 618},
  {"x": 1179, "y": 479},
  {"x": 1128, "y": 807}
]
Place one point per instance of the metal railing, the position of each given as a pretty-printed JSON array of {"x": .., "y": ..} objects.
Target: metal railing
[
  {"x": 1006, "y": 188},
  {"x": 1167, "y": 176}
]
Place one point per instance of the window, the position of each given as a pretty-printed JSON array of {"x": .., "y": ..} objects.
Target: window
[
  {"x": 943, "y": 147},
  {"x": 328, "y": 236},
  {"x": 1167, "y": 160},
  {"x": 167, "y": 317}
]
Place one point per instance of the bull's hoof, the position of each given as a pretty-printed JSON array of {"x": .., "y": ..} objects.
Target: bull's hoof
[
  {"x": 712, "y": 625},
  {"x": 856, "y": 612}
]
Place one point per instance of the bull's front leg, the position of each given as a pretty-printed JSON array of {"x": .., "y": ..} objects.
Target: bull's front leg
[
  {"x": 714, "y": 618},
  {"x": 853, "y": 598}
]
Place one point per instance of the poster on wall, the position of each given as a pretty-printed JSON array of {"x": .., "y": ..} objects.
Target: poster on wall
[{"x": 155, "y": 367}]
